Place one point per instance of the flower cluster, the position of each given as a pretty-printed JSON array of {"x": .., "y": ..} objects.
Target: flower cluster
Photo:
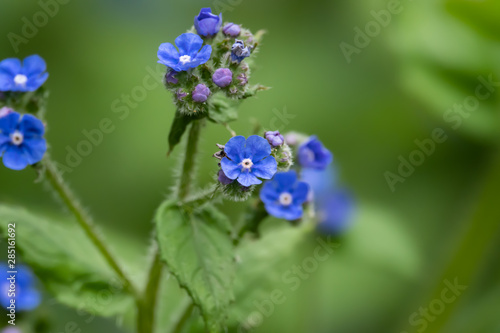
[{"x": 27, "y": 297}]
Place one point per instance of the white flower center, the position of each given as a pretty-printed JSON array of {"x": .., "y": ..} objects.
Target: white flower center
[
  {"x": 286, "y": 199},
  {"x": 185, "y": 58},
  {"x": 246, "y": 163},
  {"x": 20, "y": 79},
  {"x": 17, "y": 138}
]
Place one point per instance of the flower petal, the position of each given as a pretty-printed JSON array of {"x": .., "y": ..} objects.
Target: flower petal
[
  {"x": 14, "y": 158},
  {"x": 289, "y": 213},
  {"x": 257, "y": 148},
  {"x": 4, "y": 142},
  {"x": 265, "y": 168},
  {"x": 8, "y": 123},
  {"x": 36, "y": 81},
  {"x": 188, "y": 44},
  {"x": 248, "y": 179},
  {"x": 34, "y": 149},
  {"x": 300, "y": 193},
  {"x": 34, "y": 65},
  {"x": 6, "y": 82},
  {"x": 285, "y": 180},
  {"x": 168, "y": 55},
  {"x": 202, "y": 57},
  {"x": 10, "y": 66},
  {"x": 234, "y": 148},
  {"x": 269, "y": 194},
  {"x": 31, "y": 126},
  {"x": 231, "y": 169}
]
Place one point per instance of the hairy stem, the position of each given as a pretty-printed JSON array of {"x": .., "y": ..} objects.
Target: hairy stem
[
  {"x": 146, "y": 306},
  {"x": 85, "y": 221},
  {"x": 188, "y": 166}
]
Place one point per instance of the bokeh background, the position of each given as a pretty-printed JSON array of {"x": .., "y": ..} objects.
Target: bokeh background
[{"x": 440, "y": 223}]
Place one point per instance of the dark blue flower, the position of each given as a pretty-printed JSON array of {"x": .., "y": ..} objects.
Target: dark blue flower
[
  {"x": 284, "y": 195},
  {"x": 274, "y": 138},
  {"x": 27, "y": 296},
  {"x": 28, "y": 76},
  {"x": 21, "y": 140},
  {"x": 248, "y": 160},
  {"x": 239, "y": 51},
  {"x": 200, "y": 93},
  {"x": 321, "y": 182},
  {"x": 312, "y": 154},
  {"x": 222, "y": 77},
  {"x": 206, "y": 23},
  {"x": 189, "y": 54},
  {"x": 334, "y": 212},
  {"x": 231, "y": 29}
]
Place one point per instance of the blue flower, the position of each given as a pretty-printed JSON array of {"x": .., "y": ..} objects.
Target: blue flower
[
  {"x": 248, "y": 160},
  {"x": 239, "y": 51},
  {"x": 334, "y": 212},
  {"x": 28, "y": 76},
  {"x": 21, "y": 140},
  {"x": 321, "y": 182},
  {"x": 284, "y": 195},
  {"x": 27, "y": 296},
  {"x": 312, "y": 154},
  {"x": 206, "y": 23},
  {"x": 189, "y": 54}
]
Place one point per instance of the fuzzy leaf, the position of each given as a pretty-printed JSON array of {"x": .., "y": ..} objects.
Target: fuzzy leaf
[
  {"x": 179, "y": 125},
  {"x": 222, "y": 110},
  {"x": 198, "y": 252},
  {"x": 66, "y": 263}
]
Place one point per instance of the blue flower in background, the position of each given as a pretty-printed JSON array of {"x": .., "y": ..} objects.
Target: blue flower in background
[
  {"x": 334, "y": 212},
  {"x": 239, "y": 51},
  {"x": 206, "y": 23},
  {"x": 284, "y": 195},
  {"x": 26, "y": 76},
  {"x": 248, "y": 160},
  {"x": 11, "y": 330},
  {"x": 189, "y": 54},
  {"x": 321, "y": 182},
  {"x": 21, "y": 140},
  {"x": 312, "y": 154},
  {"x": 27, "y": 296}
]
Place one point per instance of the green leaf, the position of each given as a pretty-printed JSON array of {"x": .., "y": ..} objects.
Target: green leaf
[
  {"x": 222, "y": 110},
  {"x": 197, "y": 249},
  {"x": 179, "y": 125},
  {"x": 481, "y": 15},
  {"x": 66, "y": 263}
]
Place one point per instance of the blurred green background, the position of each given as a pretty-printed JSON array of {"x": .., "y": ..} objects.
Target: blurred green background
[{"x": 370, "y": 111}]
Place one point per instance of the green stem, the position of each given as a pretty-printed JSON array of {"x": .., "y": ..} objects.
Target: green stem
[
  {"x": 475, "y": 241},
  {"x": 188, "y": 166},
  {"x": 146, "y": 307},
  {"x": 84, "y": 220},
  {"x": 250, "y": 221},
  {"x": 183, "y": 319}
]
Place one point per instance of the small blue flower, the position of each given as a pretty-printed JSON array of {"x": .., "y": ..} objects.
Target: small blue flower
[
  {"x": 334, "y": 212},
  {"x": 312, "y": 154},
  {"x": 28, "y": 76},
  {"x": 200, "y": 93},
  {"x": 239, "y": 51},
  {"x": 189, "y": 54},
  {"x": 321, "y": 182},
  {"x": 248, "y": 160},
  {"x": 232, "y": 30},
  {"x": 222, "y": 77},
  {"x": 21, "y": 140},
  {"x": 206, "y": 23},
  {"x": 284, "y": 195},
  {"x": 27, "y": 296}
]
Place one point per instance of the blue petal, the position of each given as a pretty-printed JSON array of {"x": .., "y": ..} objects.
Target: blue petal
[
  {"x": 231, "y": 169},
  {"x": 202, "y": 57},
  {"x": 290, "y": 213},
  {"x": 285, "y": 180},
  {"x": 300, "y": 193},
  {"x": 234, "y": 148},
  {"x": 10, "y": 66},
  {"x": 4, "y": 141},
  {"x": 188, "y": 44},
  {"x": 257, "y": 148},
  {"x": 14, "y": 158},
  {"x": 9, "y": 123},
  {"x": 31, "y": 126},
  {"x": 269, "y": 194},
  {"x": 265, "y": 168},
  {"x": 248, "y": 179},
  {"x": 204, "y": 13},
  {"x": 34, "y": 65},
  {"x": 6, "y": 82},
  {"x": 28, "y": 299},
  {"x": 208, "y": 26},
  {"x": 34, "y": 149},
  {"x": 36, "y": 81},
  {"x": 168, "y": 55}
]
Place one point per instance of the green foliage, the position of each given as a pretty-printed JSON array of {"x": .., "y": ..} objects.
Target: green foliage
[
  {"x": 197, "y": 249},
  {"x": 482, "y": 15},
  {"x": 67, "y": 263},
  {"x": 179, "y": 125}
]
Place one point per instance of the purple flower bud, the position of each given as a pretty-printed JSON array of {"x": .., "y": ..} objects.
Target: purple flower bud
[
  {"x": 231, "y": 29},
  {"x": 222, "y": 178},
  {"x": 206, "y": 23},
  {"x": 5, "y": 111},
  {"x": 180, "y": 94},
  {"x": 274, "y": 138},
  {"x": 233, "y": 91},
  {"x": 200, "y": 93},
  {"x": 242, "y": 78},
  {"x": 222, "y": 77},
  {"x": 170, "y": 77}
]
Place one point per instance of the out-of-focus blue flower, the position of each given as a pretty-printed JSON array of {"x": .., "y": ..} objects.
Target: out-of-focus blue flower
[
  {"x": 321, "y": 182},
  {"x": 248, "y": 160},
  {"x": 232, "y": 30},
  {"x": 11, "y": 330},
  {"x": 27, "y": 297},
  {"x": 239, "y": 51},
  {"x": 334, "y": 212},
  {"x": 26, "y": 76},
  {"x": 312, "y": 154},
  {"x": 274, "y": 138},
  {"x": 284, "y": 195},
  {"x": 206, "y": 23},
  {"x": 189, "y": 54},
  {"x": 21, "y": 140},
  {"x": 200, "y": 93},
  {"x": 222, "y": 77}
]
